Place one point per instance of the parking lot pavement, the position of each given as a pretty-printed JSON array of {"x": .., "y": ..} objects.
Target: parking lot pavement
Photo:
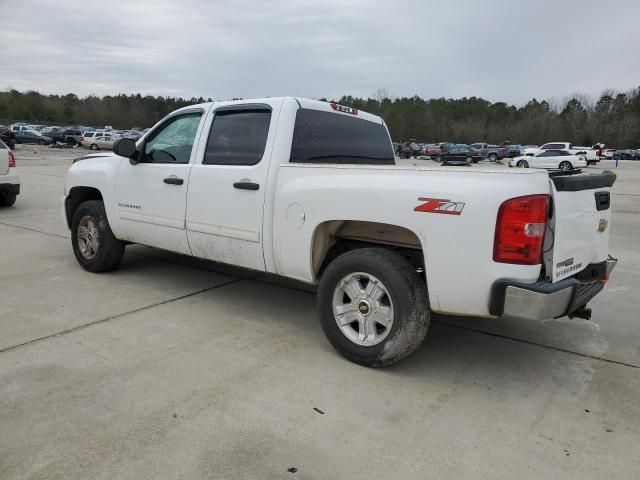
[{"x": 176, "y": 368}]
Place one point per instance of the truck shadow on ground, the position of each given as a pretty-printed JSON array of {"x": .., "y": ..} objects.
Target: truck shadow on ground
[{"x": 452, "y": 343}]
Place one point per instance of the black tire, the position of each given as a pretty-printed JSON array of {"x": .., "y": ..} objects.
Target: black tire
[
  {"x": 41, "y": 142},
  {"x": 522, "y": 164},
  {"x": 93, "y": 146},
  {"x": 407, "y": 292},
  {"x": 468, "y": 161},
  {"x": 565, "y": 166},
  {"x": 493, "y": 157},
  {"x": 8, "y": 201},
  {"x": 110, "y": 250}
]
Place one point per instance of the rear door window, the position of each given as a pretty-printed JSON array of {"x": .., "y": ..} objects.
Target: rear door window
[
  {"x": 238, "y": 137},
  {"x": 327, "y": 137}
]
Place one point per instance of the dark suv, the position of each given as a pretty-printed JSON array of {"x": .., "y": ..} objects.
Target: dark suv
[
  {"x": 460, "y": 155},
  {"x": 73, "y": 136}
]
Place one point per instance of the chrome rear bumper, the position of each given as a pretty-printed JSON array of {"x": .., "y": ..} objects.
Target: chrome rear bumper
[{"x": 542, "y": 300}]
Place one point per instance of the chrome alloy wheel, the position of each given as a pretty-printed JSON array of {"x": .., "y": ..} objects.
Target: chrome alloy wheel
[
  {"x": 88, "y": 237},
  {"x": 363, "y": 309}
]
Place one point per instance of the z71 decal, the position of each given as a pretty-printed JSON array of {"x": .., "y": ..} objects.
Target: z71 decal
[{"x": 439, "y": 205}]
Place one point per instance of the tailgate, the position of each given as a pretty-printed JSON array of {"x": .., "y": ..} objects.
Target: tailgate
[
  {"x": 579, "y": 226},
  {"x": 4, "y": 160}
]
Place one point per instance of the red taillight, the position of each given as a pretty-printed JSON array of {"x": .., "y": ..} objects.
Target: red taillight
[
  {"x": 12, "y": 160},
  {"x": 520, "y": 230}
]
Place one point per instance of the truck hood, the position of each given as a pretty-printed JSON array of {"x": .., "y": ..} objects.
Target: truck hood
[{"x": 94, "y": 155}]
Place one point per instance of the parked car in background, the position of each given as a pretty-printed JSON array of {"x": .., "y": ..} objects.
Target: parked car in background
[
  {"x": 133, "y": 135},
  {"x": 21, "y": 128},
  {"x": 492, "y": 152},
  {"x": 433, "y": 151},
  {"x": 627, "y": 154},
  {"x": 514, "y": 151},
  {"x": 57, "y": 134},
  {"x": 9, "y": 180},
  {"x": 27, "y": 136},
  {"x": 459, "y": 155},
  {"x": 100, "y": 141},
  {"x": 89, "y": 134},
  {"x": 48, "y": 130},
  {"x": 8, "y": 137},
  {"x": 73, "y": 136},
  {"x": 591, "y": 155},
  {"x": 588, "y": 152},
  {"x": 550, "y": 159}
]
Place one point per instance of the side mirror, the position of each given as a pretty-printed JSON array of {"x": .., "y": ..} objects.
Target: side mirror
[{"x": 125, "y": 147}]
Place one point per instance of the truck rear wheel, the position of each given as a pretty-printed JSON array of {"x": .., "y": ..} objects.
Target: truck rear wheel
[
  {"x": 94, "y": 245},
  {"x": 8, "y": 200},
  {"x": 373, "y": 306},
  {"x": 493, "y": 157}
]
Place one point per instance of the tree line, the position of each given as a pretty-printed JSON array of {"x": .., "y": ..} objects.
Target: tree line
[{"x": 613, "y": 119}]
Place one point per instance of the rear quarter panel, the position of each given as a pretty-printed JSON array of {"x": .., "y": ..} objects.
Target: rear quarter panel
[{"x": 458, "y": 249}]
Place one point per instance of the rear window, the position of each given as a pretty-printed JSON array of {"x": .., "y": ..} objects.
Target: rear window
[{"x": 327, "y": 137}]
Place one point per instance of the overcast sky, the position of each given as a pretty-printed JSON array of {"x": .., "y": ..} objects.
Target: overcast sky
[{"x": 502, "y": 50}]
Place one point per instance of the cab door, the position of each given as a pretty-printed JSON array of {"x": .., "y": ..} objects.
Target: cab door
[
  {"x": 151, "y": 190},
  {"x": 228, "y": 183}
]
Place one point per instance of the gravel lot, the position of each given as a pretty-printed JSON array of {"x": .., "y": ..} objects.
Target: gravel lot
[{"x": 176, "y": 368}]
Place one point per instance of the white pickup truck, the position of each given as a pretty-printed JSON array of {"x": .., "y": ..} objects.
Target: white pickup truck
[
  {"x": 9, "y": 179},
  {"x": 310, "y": 190},
  {"x": 588, "y": 153}
]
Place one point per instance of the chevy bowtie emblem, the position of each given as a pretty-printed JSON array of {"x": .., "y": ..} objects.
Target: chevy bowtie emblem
[{"x": 602, "y": 225}]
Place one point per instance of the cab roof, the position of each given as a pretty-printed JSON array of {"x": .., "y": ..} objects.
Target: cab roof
[{"x": 332, "y": 107}]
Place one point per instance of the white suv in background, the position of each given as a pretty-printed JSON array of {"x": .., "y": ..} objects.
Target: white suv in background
[{"x": 9, "y": 180}]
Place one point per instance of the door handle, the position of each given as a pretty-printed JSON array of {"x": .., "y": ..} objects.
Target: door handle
[
  {"x": 173, "y": 181},
  {"x": 246, "y": 186}
]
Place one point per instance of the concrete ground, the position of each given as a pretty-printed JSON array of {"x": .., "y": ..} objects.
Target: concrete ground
[{"x": 176, "y": 368}]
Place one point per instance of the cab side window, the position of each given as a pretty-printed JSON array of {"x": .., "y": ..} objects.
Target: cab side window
[
  {"x": 238, "y": 137},
  {"x": 173, "y": 141}
]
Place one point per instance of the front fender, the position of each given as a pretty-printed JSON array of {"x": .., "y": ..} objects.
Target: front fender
[{"x": 99, "y": 172}]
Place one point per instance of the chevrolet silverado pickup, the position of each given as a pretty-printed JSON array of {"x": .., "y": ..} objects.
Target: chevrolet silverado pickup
[{"x": 310, "y": 190}]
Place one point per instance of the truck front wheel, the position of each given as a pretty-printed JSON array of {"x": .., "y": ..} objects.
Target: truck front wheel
[
  {"x": 94, "y": 245},
  {"x": 373, "y": 306}
]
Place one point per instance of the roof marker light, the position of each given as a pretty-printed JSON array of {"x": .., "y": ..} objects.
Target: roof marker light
[{"x": 341, "y": 108}]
